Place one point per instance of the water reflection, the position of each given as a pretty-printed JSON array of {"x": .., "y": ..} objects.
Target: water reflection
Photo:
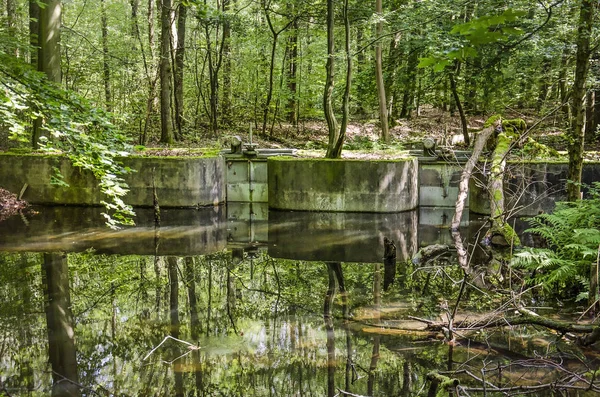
[{"x": 236, "y": 320}]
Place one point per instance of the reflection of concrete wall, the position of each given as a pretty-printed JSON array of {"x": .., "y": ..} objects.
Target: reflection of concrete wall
[
  {"x": 247, "y": 223},
  {"x": 343, "y": 237},
  {"x": 531, "y": 188},
  {"x": 180, "y": 182},
  {"x": 182, "y": 232},
  {"x": 343, "y": 185}
]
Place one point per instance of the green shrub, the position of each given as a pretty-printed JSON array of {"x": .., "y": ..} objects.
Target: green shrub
[{"x": 572, "y": 237}]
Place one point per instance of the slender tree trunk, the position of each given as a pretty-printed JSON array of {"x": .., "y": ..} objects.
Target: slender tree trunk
[
  {"x": 179, "y": 67},
  {"x": 105, "y": 56},
  {"x": 34, "y": 29},
  {"x": 49, "y": 50},
  {"x": 391, "y": 87},
  {"x": 292, "y": 50},
  {"x": 562, "y": 82},
  {"x": 166, "y": 73},
  {"x": 332, "y": 126},
  {"x": 383, "y": 113},
  {"x": 461, "y": 112},
  {"x": 151, "y": 26},
  {"x": 336, "y": 138},
  {"x": 11, "y": 21},
  {"x": 577, "y": 131},
  {"x": 226, "y": 97},
  {"x": 135, "y": 6},
  {"x": 59, "y": 319},
  {"x": 267, "y": 105},
  {"x": 544, "y": 86},
  {"x": 590, "y": 105},
  {"x": 410, "y": 83}
]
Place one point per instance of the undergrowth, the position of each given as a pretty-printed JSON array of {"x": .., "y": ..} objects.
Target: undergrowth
[{"x": 572, "y": 237}]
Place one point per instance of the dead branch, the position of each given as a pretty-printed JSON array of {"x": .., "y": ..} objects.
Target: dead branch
[{"x": 463, "y": 189}]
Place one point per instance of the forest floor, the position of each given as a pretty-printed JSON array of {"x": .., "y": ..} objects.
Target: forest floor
[{"x": 362, "y": 137}]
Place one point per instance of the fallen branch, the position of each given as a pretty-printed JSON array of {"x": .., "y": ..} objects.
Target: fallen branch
[{"x": 463, "y": 187}]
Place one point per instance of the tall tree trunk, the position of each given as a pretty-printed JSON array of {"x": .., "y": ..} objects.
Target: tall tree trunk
[
  {"x": 135, "y": 6},
  {"x": 461, "y": 112},
  {"x": 105, "y": 56},
  {"x": 151, "y": 16},
  {"x": 59, "y": 319},
  {"x": 292, "y": 50},
  {"x": 332, "y": 126},
  {"x": 11, "y": 21},
  {"x": 336, "y": 138},
  {"x": 383, "y": 113},
  {"x": 577, "y": 131},
  {"x": 179, "y": 66},
  {"x": 394, "y": 59},
  {"x": 166, "y": 73},
  {"x": 49, "y": 50},
  {"x": 544, "y": 83},
  {"x": 275, "y": 33},
  {"x": 562, "y": 83},
  {"x": 410, "y": 83},
  {"x": 34, "y": 30},
  {"x": 226, "y": 97}
]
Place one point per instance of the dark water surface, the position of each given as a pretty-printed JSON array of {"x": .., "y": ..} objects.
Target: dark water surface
[{"x": 242, "y": 302}]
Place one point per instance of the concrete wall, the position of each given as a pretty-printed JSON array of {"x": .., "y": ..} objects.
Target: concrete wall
[
  {"x": 530, "y": 188},
  {"x": 438, "y": 184},
  {"x": 247, "y": 179},
  {"x": 180, "y": 182},
  {"x": 343, "y": 185}
]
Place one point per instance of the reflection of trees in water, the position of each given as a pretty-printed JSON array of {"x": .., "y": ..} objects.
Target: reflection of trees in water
[
  {"x": 59, "y": 320},
  {"x": 318, "y": 332}
]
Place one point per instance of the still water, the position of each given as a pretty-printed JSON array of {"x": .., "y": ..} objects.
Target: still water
[{"x": 242, "y": 302}]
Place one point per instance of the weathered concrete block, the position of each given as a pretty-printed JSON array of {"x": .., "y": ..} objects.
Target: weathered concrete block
[
  {"x": 438, "y": 184},
  {"x": 530, "y": 188},
  {"x": 343, "y": 185},
  {"x": 180, "y": 182}
]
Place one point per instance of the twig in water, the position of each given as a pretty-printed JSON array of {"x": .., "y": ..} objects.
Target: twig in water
[{"x": 191, "y": 346}]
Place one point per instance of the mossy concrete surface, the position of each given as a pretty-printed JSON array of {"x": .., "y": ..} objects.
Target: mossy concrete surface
[
  {"x": 438, "y": 184},
  {"x": 343, "y": 185},
  {"x": 530, "y": 188},
  {"x": 180, "y": 182}
]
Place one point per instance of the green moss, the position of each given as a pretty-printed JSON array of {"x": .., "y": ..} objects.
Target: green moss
[
  {"x": 323, "y": 160},
  {"x": 492, "y": 120},
  {"x": 506, "y": 231},
  {"x": 517, "y": 126}
]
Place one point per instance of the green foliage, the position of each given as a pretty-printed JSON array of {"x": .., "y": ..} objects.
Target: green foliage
[
  {"x": 572, "y": 236},
  {"x": 478, "y": 32},
  {"x": 72, "y": 126}
]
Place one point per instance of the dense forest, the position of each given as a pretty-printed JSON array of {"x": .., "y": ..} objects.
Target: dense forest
[
  {"x": 172, "y": 70},
  {"x": 91, "y": 78}
]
